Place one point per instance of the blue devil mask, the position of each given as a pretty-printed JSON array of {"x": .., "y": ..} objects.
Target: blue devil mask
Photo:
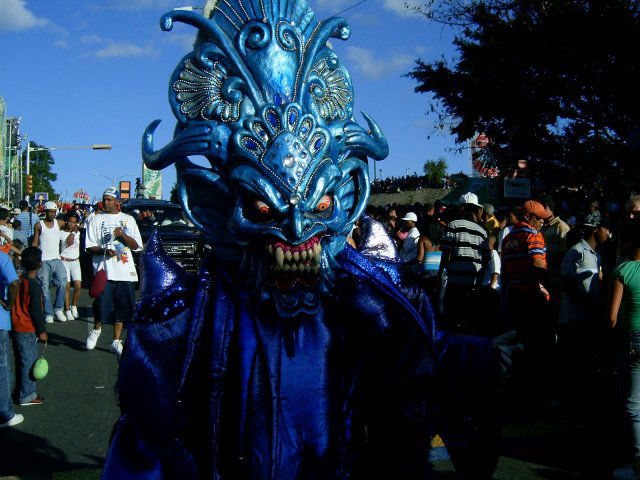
[{"x": 269, "y": 104}]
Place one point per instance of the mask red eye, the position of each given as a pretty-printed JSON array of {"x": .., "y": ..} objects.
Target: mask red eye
[
  {"x": 262, "y": 207},
  {"x": 324, "y": 204}
]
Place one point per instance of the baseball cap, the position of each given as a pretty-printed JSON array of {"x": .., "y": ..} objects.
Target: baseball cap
[
  {"x": 16, "y": 211},
  {"x": 50, "y": 206},
  {"x": 111, "y": 192},
  {"x": 531, "y": 206},
  {"x": 410, "y": 216},
  {"x": 469, "y": 199},
  {"x": 603, "y": 222}
]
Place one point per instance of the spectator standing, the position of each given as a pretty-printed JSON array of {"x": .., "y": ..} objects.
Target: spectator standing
[
  {"x": 9, "y": 285},
  {"x": 18, "y": 234},
  {"x": 624, "y": 309},
  {"x": 524, "y": 275},
  {"x": 491, "y": 223},
  {"x": 492, "y": 272},
  {"x": 511, "y": 220},
  {"x": 409, "y": 249},
  {"x": 632, "y": 211},
  {"x": 430, "y": 225},
  {"x": 580, "y": 310},
  {"x": 70, "y": 256},
  {"x": 555, "y": 232},
  {"x": 6, "y": 232},
  {"x": 28, "y": 220},
  {"x": 46, "y": 235},
  {"x": 110, "y": 238},
  {"x": 28, "y": 326},
  {"x": 464, "y": 254}
]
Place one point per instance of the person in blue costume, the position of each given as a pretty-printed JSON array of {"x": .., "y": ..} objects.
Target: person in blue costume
[{"x": 290, "y": 355}]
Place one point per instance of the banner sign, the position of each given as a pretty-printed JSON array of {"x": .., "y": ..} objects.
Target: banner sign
[
  {"x": 517, "y": 181},
  {"x": 151, "y": 183},
  {"x": 81, "y": 196}
]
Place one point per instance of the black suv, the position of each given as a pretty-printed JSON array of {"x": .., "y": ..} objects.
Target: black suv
[{"x": 181, "y": 240}]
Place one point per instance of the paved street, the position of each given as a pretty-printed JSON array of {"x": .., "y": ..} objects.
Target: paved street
[{"x": 67, "y": 438}]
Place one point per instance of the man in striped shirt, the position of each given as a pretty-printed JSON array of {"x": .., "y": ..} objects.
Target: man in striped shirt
[
  {"x": 524, "y": 274},
  {"x": 524, "y": 257},
  {"x": 465, "y": 253}
]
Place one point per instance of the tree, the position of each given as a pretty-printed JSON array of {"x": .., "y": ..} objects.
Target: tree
[
  {"x": 435, "y": 170},
  {"x": 40, "y": 170},
  {"x": 173, "y": 196},
  {"x": 553, "y": 82}
]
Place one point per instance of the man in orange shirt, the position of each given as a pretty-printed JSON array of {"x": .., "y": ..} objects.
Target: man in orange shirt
[{"x": 524, "y": 271}]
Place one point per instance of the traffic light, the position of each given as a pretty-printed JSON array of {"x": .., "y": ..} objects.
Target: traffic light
[{"x": 29, "y": 184}]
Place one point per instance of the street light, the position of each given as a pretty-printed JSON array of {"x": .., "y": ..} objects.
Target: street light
[{"x": 99, "y": 146}]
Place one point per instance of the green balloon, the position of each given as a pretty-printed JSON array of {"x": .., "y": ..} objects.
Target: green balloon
[{"x": 40, "y": 368}]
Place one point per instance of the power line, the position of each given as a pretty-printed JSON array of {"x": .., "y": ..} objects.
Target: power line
[{"x": 349, "y": 8}]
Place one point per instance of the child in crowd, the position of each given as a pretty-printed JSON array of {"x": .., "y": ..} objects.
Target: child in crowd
[
  {"x": 27, "y": 317},
  {"x": 70, "y": 256}
]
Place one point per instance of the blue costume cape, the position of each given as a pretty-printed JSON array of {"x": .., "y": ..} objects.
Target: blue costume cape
[{"x": 217, "y": 390}]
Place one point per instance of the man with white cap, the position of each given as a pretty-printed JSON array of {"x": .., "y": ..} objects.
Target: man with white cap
[
  {"x": 46, "y": 235},
  {"x": 111, "y": 236},
  {"x": 465, "y": 251},
  {"x": 409, "y": 249}
]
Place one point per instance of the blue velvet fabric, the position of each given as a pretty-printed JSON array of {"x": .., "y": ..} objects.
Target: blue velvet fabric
[{"x": 212, "y": 386}]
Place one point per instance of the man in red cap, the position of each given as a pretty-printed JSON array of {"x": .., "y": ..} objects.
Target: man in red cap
[{"x": 524, "y": 275}]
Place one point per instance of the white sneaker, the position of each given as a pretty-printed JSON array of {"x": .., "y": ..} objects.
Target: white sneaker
[
  {"x": 48, "y": 319},
  {"x": 69, "y": 315},
  {"x": 92, "y": 339},
  {"x": 116, "y": 347},
  {"x": 17, "y": 418},
  {"x": 74, "y": 311},
  {"x": 60, "y": 315}
]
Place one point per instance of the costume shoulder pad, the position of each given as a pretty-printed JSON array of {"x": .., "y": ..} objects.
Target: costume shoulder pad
[{"x": 165, "y": 287}]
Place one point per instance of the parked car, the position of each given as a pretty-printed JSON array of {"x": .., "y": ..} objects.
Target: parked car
[{"x": 181, "y": 240}]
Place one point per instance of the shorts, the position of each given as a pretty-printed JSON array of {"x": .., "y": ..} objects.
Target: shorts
[
  {"x": 73, "y": 270},
  {"x": 118, "y": 298}
]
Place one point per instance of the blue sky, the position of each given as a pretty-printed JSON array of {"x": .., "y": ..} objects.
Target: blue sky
[{"x": 81, "y": 72}]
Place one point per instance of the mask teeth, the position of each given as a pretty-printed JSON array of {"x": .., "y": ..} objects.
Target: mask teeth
[{"x": 303, "y": 258}]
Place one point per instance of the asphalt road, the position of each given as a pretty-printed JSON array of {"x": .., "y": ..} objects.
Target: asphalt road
[{"x": 67, "y": 437}]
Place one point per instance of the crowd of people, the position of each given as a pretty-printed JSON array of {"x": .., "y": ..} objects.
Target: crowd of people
[
  {"x": 568, "y": 292},
  {"x": 39, "y": 256},
  {"x": 409, "y": 183}
]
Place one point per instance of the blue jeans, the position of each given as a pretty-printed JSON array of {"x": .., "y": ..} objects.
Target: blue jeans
[
  {"x": 26, "y": 351},
  {"x": 6, "y": 405},
  {"x": 53, "y": 271},
  {"x": 632, "y": 376}
]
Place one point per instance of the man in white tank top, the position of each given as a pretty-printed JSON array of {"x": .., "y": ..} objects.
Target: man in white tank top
[{"x": 46, "y": 235}]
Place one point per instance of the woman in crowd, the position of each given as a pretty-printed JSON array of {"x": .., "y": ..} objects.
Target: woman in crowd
[{"x": 624, "y": 309}]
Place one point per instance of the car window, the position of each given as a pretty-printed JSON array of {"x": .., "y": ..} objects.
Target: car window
[{"x": 159, "y": 216}]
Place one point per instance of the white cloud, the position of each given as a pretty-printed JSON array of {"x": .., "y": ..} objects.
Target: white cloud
[
  {"x": 61, "y": 43},
  {"x": 142, "y": 4},
  {"x": 14, "y": 16},
  {"x": 116, "y": 49},
  {"x": 92, "y": 39},
  {"x": 110, "y": 48},
  {"x": 375, "y": 67}
]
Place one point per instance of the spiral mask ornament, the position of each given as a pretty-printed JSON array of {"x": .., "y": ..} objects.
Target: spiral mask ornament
[{"x": 270, "y": 105}]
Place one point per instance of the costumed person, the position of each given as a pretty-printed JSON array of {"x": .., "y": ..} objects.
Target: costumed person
[{"x": 290, "y": 355}]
